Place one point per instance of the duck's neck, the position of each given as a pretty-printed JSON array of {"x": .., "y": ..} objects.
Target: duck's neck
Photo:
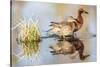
[{"x": 80, "y": 18}]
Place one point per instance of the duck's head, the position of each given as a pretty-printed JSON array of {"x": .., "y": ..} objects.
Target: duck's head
[{"x": 81, "y": 10}]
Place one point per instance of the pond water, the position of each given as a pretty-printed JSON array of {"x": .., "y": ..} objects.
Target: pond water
[{"x": 44, "y": 56}]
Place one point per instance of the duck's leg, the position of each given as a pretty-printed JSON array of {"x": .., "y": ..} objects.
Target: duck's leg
[
  {"x": 74, "y": 35},
  {"x": 60, "y": 38}
]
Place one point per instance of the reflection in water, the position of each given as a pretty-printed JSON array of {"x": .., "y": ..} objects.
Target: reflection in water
[
  {"x": 62, "y": 47},
  {"x": 70, "y": 46},
  {"x": 69, "y": 51},
  {"x": 30, "y": 49}
]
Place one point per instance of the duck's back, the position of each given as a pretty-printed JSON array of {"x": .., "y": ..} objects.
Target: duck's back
[{"x": 68, "y": 28}]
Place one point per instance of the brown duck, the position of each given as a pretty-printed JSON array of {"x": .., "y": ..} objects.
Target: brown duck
[{"x": 66, "y": 28}]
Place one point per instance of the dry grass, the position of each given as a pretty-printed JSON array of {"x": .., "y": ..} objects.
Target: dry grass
[{"x": 29, "y": 37}]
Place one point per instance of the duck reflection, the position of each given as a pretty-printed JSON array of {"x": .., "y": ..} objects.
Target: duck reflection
[{"x": 69, "y": 46}]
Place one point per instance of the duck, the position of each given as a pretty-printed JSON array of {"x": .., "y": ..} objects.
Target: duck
[{"x": 68, "y": 28}]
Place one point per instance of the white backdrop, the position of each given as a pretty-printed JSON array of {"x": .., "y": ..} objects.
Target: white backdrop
[{"x": 5, "y": 32}]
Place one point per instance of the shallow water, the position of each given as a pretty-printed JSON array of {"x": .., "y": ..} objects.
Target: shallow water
[{"x": 44, "y": 56}]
